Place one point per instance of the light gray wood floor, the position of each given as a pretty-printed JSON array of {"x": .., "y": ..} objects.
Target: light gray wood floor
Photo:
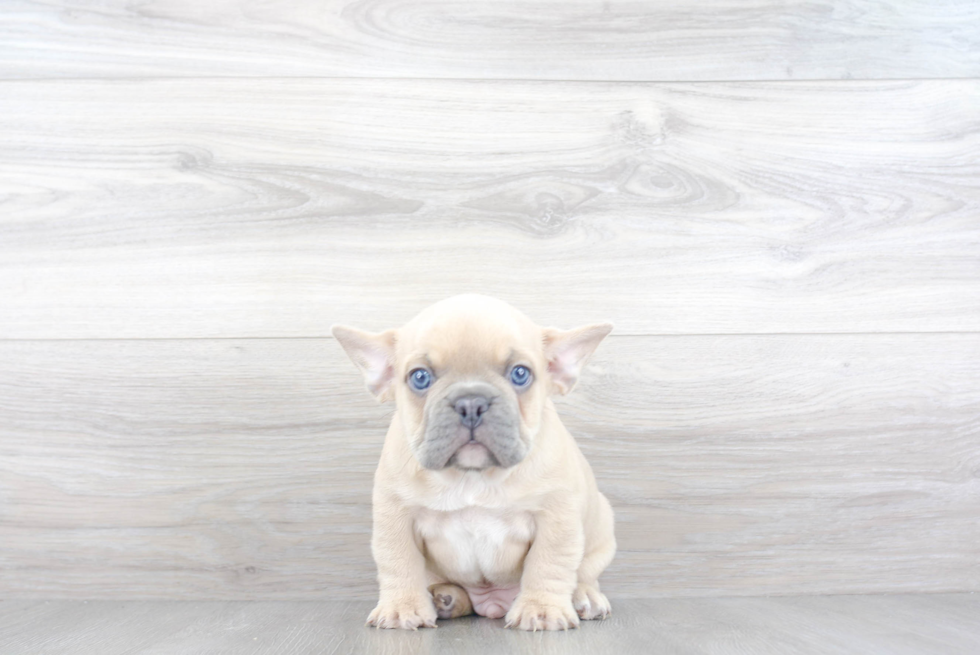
[{"x": 862, "y": 625}]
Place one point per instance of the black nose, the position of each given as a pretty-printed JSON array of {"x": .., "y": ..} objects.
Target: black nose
[{"x": 471, "y": 409}]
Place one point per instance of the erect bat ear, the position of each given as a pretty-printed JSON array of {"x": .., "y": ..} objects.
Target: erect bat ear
[
  {"x": 373, "y": 354},
  {"x": 567, "y": 351}
]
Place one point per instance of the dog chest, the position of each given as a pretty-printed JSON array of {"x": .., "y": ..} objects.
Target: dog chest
[{"x": 474, "y": 545}]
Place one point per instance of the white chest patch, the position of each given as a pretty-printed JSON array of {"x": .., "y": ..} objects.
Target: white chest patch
[
  {"x": 474, "y": 545},
  {"x": 473, "y": 536}
]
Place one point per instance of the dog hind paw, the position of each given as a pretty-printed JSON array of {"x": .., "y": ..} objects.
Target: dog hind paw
[
  {"x": 590, "y": 603},
  {"x": 451, "y": 600}
]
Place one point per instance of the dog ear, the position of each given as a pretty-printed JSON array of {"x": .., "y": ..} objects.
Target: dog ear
[
  {"x": 567, "y": 351},
  {"x": 373, "y": 354}
]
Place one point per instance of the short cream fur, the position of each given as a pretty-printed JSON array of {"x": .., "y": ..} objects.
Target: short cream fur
[{"x": 503, "y": 518}]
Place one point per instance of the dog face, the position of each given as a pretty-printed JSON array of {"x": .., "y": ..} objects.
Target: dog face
[
  {"x": 470, "y": 376},
  {"x": 465, "y": 385}
]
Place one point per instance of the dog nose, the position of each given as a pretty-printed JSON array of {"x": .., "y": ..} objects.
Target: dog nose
[{"x": 471, "y": 409}]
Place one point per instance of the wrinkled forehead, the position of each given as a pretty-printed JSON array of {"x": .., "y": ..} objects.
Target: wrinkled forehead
[{"x": 469, "y": 340}]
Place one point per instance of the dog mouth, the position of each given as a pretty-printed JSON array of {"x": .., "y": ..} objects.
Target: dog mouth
[{"x": 473, "y": 456}]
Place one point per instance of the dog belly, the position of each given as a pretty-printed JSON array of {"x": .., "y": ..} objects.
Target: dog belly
[
  {"x": 492, "y": 602},
  {"x": 480, "y": 550}
]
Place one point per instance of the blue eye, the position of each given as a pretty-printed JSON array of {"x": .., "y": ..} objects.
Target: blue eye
[
  {"x": 520, "y": 376},
  {"x": 420, "y": 379}
]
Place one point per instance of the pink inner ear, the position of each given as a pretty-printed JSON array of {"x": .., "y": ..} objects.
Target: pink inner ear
[
  {"x": 378, "y": 371},
  {"x": 379, "y": 382},
  {"x": 567, "y": 351},
  {"x": 562, "y": 363},
  {"x": 562, "y": 367}
]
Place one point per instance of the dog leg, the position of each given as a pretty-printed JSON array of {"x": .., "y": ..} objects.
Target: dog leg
[
  {"x": 405, "y": 601},
  {"x": 550, "y": 572},
  {"x": 451, "y": 600},
  {"x": 589, "y": 602}
]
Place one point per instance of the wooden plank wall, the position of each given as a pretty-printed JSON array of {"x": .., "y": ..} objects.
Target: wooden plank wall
[{"x": 778, "y": 204}]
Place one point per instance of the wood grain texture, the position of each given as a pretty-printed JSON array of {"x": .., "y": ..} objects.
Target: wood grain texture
[
  {"x": 898, "y": 625},
  {"x": 737, "y": 465},
  {"x": 257, "y": 208},
  {"x": 544, "y": 39}
]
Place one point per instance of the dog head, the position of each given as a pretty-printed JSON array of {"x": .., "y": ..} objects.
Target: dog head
[{"x": 470, "y": 376}]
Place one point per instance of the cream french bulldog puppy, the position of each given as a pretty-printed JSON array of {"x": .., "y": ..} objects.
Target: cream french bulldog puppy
[{"x": 483, "y": 501}]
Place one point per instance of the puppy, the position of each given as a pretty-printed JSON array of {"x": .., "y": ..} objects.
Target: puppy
[{"x": 483, "y": 501}]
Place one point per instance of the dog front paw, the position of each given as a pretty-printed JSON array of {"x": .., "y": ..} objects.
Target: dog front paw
[
  {"x": 542, "y": 612},
  {"x": 590, "y": 603},
  {"x": 405, "y": 611}
]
